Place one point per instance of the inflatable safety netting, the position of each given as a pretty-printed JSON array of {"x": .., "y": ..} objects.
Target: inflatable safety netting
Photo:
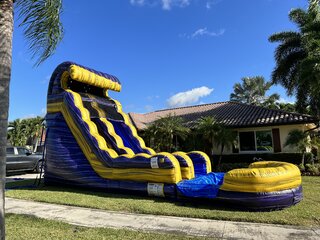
[{"x": 91, "y": 143}]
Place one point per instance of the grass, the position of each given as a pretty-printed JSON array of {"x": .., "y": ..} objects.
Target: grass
[
  {"x": 28, "y": 227},
  {"x": 306, "y": 213}
]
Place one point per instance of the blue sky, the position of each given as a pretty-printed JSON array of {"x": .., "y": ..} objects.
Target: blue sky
[{"x": 166, "y": 53}]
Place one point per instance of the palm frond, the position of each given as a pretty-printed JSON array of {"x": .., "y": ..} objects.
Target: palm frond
[
  {"x": 299, "y": 16},
  {"x": 283, "y": 36},
  {"x": 286, "y": 70},
  {"x": 42, "y": 27},
  {"x": 288, "y": 47}
]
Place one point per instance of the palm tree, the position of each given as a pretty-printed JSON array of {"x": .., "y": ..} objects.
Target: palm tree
[
  {"x": 300, "y": 140},
  {"x": 149, "y": 134},
  {"x": 43, "y": 31},
  {"x": 216, "y": 133},
  {"x": 298, "y": 59},
  {"x": 253, "y": 91},
  {"x": 33, "y": 129},
  {"x": 224, "y": 137},
  {"x": 166, "y": 131},
  {"x": 208, "y": 127},
  {"x": 17, "y": 132}
]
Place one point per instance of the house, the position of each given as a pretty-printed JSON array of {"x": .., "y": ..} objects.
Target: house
[{"x": 259, "y": 129}]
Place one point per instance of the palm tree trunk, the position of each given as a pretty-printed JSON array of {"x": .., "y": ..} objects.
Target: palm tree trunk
[
  {"x": 220, "y": 157},
  {"x": 6, "y": 29}
]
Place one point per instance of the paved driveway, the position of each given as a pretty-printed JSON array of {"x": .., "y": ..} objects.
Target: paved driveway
[{"x": 14, "y": 177}]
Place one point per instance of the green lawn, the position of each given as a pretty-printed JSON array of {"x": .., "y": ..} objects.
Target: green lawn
[
  {"x": 306, "y": 213},
  {"x": 28, "y": 227}
]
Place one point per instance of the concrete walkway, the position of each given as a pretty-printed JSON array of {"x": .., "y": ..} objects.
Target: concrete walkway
[{"x": 145, "y": 222}]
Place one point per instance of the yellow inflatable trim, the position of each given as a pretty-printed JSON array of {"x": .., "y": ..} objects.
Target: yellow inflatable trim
[
  {"x": 265, "y": 176},
  {"x": 132, "y": 128},
  {"x": 186, "y": 172},
  {"x": 206, "y": 158},
  {"x": 85, "y": 76}
]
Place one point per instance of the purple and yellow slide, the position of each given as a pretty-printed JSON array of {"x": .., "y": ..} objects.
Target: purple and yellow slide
[{"x": 91, "y": 143}]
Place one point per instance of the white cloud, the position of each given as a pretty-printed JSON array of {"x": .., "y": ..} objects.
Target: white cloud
[
  {"x": 188, "y": 97},
  {"x": 210, "y": 3},
  {"x": 283, "y": 100},
  {"x": 205, "y": 32},
  {"x": 137, "y": 2},
  {"x": 165, "y": 4},
  {"x": 151, "y": 98}
]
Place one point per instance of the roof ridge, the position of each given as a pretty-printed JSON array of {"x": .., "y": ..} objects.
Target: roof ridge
[
  {"x": 192, "y": 106},
  {"x": 276, "y": 110}
]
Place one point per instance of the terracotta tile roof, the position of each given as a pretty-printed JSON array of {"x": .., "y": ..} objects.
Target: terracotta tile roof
[{"x": 232, "y": 114}]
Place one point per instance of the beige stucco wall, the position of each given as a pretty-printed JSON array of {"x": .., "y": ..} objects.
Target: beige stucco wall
[{"x": 284, "y": 131}]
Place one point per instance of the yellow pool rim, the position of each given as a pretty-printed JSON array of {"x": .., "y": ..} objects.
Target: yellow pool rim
[{"x": 265, "y": 176}]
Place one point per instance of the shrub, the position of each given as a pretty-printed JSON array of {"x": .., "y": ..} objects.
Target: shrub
[
  {"x": 302, "y": 168},
  {"x": 312, "y": 169},
  {"x": 308, "y": 158}
]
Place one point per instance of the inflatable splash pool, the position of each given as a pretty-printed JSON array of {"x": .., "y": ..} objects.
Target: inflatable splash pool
[{"x": 91, "y": 143}]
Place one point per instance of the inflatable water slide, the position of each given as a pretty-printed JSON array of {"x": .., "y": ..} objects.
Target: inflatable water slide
[{"x": 90, "y": 142}]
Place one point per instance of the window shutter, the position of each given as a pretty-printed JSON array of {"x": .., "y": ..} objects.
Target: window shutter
[{"x": 276, "y": 140}]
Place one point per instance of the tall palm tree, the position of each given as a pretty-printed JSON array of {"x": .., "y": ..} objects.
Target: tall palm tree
[
  {"x": 298, "y": 59},
  {"x": 43, "y": 31},
  {"x": 253, "y": 91}
]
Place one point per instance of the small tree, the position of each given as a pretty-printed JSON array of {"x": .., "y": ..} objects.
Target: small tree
[
  {"x": 166, "y": 131},
  {"x": 217, "y": 134},
  {"x": 300, "y": 140},
  {"x": 17, "y": 132},
  {"x": 208, "y": 127},
  {"x": 33, "y": 129},
  {"x": 21, "y": 131},
  {"x": 224, "y": 137}
]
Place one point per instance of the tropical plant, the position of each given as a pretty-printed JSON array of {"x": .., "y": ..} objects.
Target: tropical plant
[
  {"x": 17, "y": 132},
  {"x": 43, "y": 31},
  {"x": 166, "y": 131},
  {"x": 149, "y": 134},
  {"x": 208, "y": 127},
  {"x": 288, "y": 107},
  {"x": 300, "y": 140},
  {"x": 298, "y": 58},
  {"x": 253, "y": 91},
  {"x": 224, "y": 138},
  {"x": 33, "y": 129},
  {"x": 22, "y": 131},
  {"x": 217, "y": 134}
]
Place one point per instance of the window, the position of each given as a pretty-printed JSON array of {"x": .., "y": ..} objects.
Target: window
[
  {"x": 264, "y": 141},
  {"x": 10, "y": 151},
  {"x": 22, "y": 151},
  {"x": 247, "y": 142},
  {"x": 260, "y": 141}
]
